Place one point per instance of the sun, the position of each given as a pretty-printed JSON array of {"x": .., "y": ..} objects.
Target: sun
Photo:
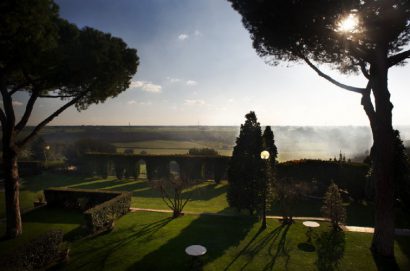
[{"x": 348, "y": 24}]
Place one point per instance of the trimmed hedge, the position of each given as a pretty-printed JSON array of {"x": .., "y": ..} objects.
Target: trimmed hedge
[
  {"x": 348, "y": 176},
  {"x": 37, "y": 254},
  {"x": 101, "y": 216},
  {"x": 101, "y": 207}
]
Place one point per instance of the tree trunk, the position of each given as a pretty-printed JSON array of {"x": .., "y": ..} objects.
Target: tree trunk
[
  {"x": 382, "y": 157},
  {"x": 14, "y": 226}
]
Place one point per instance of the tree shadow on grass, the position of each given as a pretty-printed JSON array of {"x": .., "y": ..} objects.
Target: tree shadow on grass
[
  {"x": 216, "y": 233},
  {"x": 330, "y": 250},
  {"x": 45, "y": 180},
  {"x": 94, "y": 258},
  {"x": 268, "y": 241},
  {"x": 206, "y": 192},
  {"x": 277, "y": 236},
  {"x": 404, "y": 244}
]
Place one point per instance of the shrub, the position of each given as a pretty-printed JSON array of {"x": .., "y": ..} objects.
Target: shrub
[
  {"x": 38, "y": 253},
  {"x": 101, "y": 207},
  {"x": 333, "y": 206},
  {"x": 101, "y": 216}
]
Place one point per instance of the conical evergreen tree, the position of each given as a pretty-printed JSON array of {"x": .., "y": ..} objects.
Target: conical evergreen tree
[
  {"x": 268, "y": 173},
  {"x": 333, "y": 206},
  {"x": 244, "y": 170}
]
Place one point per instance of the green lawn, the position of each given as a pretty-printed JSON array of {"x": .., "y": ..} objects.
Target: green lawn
[
  {"x": 152, "y": 241},
  {"x": 206, "y": 197}
]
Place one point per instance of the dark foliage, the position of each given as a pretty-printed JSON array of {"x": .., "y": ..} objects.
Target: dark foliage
[
  {"x": 36, "y": 254},
  {"x": 101, "y": 207},
  {"x": 319, "y": 174},
  {"x": 330, "y": 250},
  {"x": 202, "y": 151},
  {"x": 244, "y": 173}
]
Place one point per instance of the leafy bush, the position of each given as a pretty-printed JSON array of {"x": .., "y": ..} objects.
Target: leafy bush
[
  {"x": 101, "y": 207},
  {"x": 101, "y": 216},
  {"x": 37, "y": 254}
]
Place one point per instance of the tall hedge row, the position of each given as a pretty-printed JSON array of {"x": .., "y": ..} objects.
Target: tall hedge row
[{"x": 348, "y": 176}]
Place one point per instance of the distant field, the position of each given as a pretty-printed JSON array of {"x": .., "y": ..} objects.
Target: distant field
[
  {"x": 171, "y": 146},
  {"x": 293, "y": 142}
]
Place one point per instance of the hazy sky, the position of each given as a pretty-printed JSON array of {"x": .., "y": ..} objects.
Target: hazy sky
[{"x": 197, "y": 65}]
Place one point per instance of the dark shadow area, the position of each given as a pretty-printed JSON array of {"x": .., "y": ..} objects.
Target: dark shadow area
[
  {"x": 54, "y": 216},
  {"x": 244, "y": 250},
  {"x": 99, "y": 184},
  {"x": 101, "y": 255},
  {"x": 306, "y": 247},
  {"x": 274, "y": 241},
  {"x": 46, "y": 180},
  {"x": 201, "y": 231},
  {"x": 330, "y": 250},
  {"x": 385, "y": 263},
  {"x": 206, "y": 192},
  {"x": 282, "y": 248}
]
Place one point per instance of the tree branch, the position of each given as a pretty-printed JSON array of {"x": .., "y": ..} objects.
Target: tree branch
[
  {"x": 27, "y": 113},
  {"x": 8, "y": 106},
  {"x": 368, "y": 105},
  {"x": 396, "y": 59},
  {"x": 56, "y": 96},
  {"x": 364, "y": 70},
  {"x": 16, "y": 88},
  {"x": 2, "y": 118},
  {"x": 49, "y": 118},
  {"x": 330, "y": 79}
]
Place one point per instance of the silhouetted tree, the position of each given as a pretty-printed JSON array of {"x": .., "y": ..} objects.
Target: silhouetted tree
[
  {"x": 202, "y": 151},
  {"x": 48, "y": 58},
  {"x": 171, "y": 190},
  {"x": 351, "y": 36},
  {"x": 268, "y": 171},
  {"x": 244, "y": 171},
  {"x": 333, "y": 206}
]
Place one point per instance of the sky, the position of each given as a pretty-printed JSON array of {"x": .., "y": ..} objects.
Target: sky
[{"x": 198, "y": 67}]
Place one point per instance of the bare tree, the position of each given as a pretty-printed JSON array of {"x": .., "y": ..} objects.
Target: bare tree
[{"x": 172, "y": 192}]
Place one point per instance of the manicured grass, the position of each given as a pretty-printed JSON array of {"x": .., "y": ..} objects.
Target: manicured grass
[
  {"x": 206, "y": 197},
  {"x": 152, "y": 241}
]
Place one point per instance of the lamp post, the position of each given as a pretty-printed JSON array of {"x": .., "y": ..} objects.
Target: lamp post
[
  {"x": 265, "y": 156},
  {"x": 46, "y": 148}
]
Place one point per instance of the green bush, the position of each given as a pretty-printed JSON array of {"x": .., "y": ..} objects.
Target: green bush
[
  {"x": 37, "y": 254},
  {"x": 81, "y": 199},
  {"x": 101, "y": 207},
  {"x": 101, "y": 216}
]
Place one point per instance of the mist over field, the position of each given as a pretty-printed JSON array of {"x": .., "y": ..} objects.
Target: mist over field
[{"x": 293, "y": 142}]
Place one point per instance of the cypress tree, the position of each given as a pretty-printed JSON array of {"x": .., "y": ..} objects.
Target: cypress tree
[{"x": 244, "y": 171}]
